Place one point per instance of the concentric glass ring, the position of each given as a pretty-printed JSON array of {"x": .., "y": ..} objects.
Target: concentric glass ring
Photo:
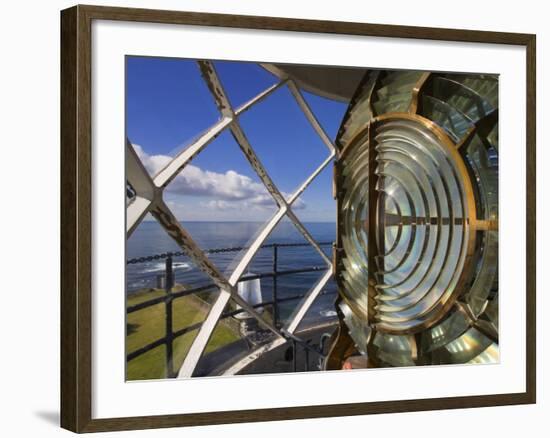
[{"x": 422, "y": 224}]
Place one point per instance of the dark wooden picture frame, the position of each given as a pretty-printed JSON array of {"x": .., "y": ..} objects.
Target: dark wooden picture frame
[{"x": 76, "y": 217}]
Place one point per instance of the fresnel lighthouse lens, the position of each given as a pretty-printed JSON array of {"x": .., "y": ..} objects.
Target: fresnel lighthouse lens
[{"x": 416, "y": 257}]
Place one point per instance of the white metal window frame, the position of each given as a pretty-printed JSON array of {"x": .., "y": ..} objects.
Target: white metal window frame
[{"x": 149, "y": 199}]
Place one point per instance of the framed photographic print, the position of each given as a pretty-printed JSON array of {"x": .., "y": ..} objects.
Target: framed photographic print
[{"x": 267, "y": 218}]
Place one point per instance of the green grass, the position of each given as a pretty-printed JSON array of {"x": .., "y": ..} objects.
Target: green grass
[{"x": 148, "y": 325}]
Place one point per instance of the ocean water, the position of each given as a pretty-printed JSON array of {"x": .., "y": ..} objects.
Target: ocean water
[{"x": 150, "y": 239}]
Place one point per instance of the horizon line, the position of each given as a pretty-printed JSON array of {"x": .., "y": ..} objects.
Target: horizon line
[{"x": 234, "y": 221}]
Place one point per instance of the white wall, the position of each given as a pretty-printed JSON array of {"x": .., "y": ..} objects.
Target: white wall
[{"x": 29, "y": 133}]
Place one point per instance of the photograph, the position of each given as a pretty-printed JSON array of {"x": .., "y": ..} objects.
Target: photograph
[
  {"x": 290, "y": 218},
  {"x": 274, "y": 220}
]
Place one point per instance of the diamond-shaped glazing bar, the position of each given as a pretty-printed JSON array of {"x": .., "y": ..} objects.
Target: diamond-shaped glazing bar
[
  {"x": 214, "y": 84},
  {"x": 306, "y": 303},
  {"x": 288, "y": 329},
  {"x": 310, "y": 116},
  {"x": 143, "y": 186},
  {"x": 149, "y": 199}
]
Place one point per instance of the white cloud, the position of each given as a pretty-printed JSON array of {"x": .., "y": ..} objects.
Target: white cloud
[{"x": 226, "y": 191}]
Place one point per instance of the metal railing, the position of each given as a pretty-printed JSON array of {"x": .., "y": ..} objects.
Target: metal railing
[{"x": 170, "y": 296}]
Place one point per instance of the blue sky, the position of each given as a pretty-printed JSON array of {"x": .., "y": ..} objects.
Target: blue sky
[{"x": 168, "y": 105}]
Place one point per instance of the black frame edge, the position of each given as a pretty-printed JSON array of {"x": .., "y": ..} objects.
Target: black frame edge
[{"x": 69, "y": 326}]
